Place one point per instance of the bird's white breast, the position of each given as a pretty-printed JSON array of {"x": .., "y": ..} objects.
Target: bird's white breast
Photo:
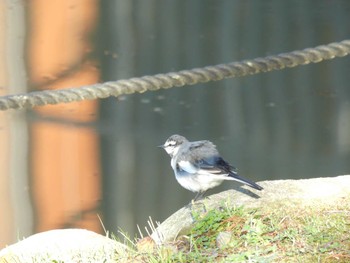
[
  {"x": 194, "y": 179},
  {"x": 198, "y": 182}
]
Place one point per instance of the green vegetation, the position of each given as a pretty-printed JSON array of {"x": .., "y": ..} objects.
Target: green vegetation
[{"x": 249, "y": 235}]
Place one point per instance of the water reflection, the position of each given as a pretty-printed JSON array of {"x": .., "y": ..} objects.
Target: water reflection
[{"x": 83, "y": 159}]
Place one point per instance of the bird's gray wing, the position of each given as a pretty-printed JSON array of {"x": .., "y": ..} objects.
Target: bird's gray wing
[
  {"x": 203, "y": 157},
  {"x": 195, "y": 151}
]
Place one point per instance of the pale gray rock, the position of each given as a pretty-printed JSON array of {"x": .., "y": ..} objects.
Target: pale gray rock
[
  {"x": 79, "y": 245},
  {"x": 317, "y": 192},
  {"x": 64, "y": 245}
]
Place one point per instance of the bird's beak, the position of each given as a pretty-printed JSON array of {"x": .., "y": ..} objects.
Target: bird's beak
[{"x": 161, "y": 146}]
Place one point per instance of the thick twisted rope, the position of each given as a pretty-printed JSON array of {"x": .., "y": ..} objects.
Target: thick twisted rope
[{"x": 177, "y": 79}]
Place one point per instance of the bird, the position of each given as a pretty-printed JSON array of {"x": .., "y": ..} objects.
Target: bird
[{"x": 198, "y": 166}]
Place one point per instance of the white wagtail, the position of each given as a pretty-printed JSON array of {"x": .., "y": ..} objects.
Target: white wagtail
[{"x": 198, "y": 165}]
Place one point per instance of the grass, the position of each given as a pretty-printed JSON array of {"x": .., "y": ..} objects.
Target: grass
[
  {"x": 275, "y": 233},
  {"x": 250, "y": 235}
]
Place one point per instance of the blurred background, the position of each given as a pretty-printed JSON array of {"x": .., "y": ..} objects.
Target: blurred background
[{"x": 69, "y": 165}]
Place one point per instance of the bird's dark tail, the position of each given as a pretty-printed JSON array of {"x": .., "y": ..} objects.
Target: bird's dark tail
[{"x": 236, "y": 177}]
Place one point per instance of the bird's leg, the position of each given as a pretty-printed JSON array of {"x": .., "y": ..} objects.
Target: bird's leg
[
  {"x": 196, "y": 198},
  {"x": 199, "y": 196}
]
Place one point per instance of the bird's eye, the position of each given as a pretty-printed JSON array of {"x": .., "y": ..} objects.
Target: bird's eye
[{"x": 171, "y": 143}]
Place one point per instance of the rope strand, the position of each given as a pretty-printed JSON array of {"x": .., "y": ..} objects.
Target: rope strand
[{"x": 177, "y": 79}]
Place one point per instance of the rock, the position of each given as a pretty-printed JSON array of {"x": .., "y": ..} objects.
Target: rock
[
  {"x": 79, "y": 245},
  {"x": 64, "y": 245},
  {"x": 317, "y": 192}
]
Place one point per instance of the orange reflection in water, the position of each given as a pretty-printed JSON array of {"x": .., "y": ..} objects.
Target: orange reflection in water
[{"x": 64, "y": 152}]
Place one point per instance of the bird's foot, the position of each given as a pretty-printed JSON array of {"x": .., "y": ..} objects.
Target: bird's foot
[
  {"x": 198, "y": 197},
  {"x": 196, "y": 209},
  {"x": 195, "y": 204}
]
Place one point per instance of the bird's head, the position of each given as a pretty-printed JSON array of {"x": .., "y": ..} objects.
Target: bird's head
[{"x": 173, "y": 144}]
